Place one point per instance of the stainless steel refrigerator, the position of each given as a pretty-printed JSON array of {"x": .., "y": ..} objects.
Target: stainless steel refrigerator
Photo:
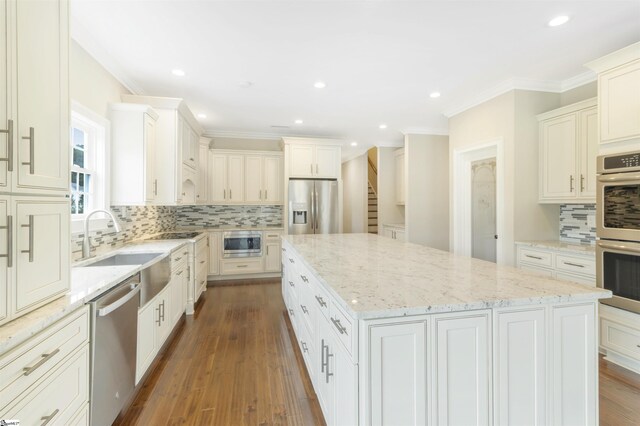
[{"x": 313, "y": 206}]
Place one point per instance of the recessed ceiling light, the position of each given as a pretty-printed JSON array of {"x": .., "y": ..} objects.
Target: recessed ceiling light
[
  {"x": 558, "y": 20},
  {"x": 383, "y": 126},
  {"x": 435, "y": 95},
  {"x": 298, "y": 121},
  {"x": 319, "y": 84},
  {"x": 354, "y": 143},
  {"x": 201, "y": 115},
  {"x": 178, "y": 73}
]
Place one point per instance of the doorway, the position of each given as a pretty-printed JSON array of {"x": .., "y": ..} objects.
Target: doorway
[{"x": 483, "y": 209}]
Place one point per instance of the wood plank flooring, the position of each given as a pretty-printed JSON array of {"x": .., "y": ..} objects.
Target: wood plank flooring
[{"x": 236, "y": 363}]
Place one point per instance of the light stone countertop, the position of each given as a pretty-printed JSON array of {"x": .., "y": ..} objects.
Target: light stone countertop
[
  {"x": 377, "y": 277},
  {"x": 584, "y": 249},
  {"x": 86, "y": 284},
  {"x": 230, "y": 228}
]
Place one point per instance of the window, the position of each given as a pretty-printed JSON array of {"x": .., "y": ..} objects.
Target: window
[{"x": 88, "y": 178}]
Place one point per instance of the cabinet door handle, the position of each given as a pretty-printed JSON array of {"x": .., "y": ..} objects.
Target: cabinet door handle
[
  {"x": 571, "y": 183},
  {"x": 322, "y": 363},
  {"x": 224, "y": 194},
  {"x": 48, "y": 418},
  {"x": 291, "y": 260},
  {"x": 326, "y": 372},
  {"x": 321, "y": 301},
  {"x": 339, "y": 326},
  {"x": 316, "y": 168},
  {"x": 30, "y": 249},
  {"x": 230, "y": 195},
  {"x": 304, "y": 309},
  {"x": 304, "y": 346},
  {"x": 9, "y": 157},
  {"x": 155, "y": 187},
  {"x": 260, "y": 196},
  {"x": 241, "y": 266},
  {"x": 581, "y": 182},
  {"x": 265, "y": 194},
  {"x": 574, "y": 264},
  {"x": 34, "y": 367},
  {"x": 179, "y": 272},
  {"x": 159, "y": 320},
  {"x": 201, "y": 262},
  {"x": 32, "y": 162},
  {"x": 305, "y": 279},
  {"x": 291, "y": 284},
  {"x": 267, "y": 250},
  {"x": 533, "y": 257},
  {"x": 311, "y": 165},
  {"x": 9, "y": 229}
]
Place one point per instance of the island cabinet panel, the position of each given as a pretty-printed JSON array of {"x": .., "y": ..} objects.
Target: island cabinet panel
[
  {"x": 461, "y": 369},
  {"x": 520, "y": 367},
  {"x": 397, "y": 373},
  {"x": 573, "y": 391}
]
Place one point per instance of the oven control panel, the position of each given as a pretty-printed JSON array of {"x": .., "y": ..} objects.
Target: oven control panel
[{"x": 622, "y": 162}]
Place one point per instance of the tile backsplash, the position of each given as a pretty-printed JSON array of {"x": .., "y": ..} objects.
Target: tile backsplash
[
  {"x": 574, "y": 223},
  {"x": 228, "y": 215}
]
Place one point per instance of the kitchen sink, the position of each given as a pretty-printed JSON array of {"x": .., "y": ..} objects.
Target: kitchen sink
[{"x": 125, "y": 259}]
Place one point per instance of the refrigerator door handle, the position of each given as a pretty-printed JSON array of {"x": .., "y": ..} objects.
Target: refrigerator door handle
[
  {"x": 312, "y": 206},
  {"x": 317, "y": 208}
]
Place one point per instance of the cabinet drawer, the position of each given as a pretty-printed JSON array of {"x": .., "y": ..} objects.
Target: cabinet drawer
[
  {"x": 535, "y": 257},
  {"x": 82, "y": 417},
  {"x": 271, "y": 235},
  {"x": 576, "y": 264},
  {"x": 620, "y": 338},
  {"x": 244, "y": 266},
  {"x": 40, "y": 354},
  {"x": 321, "y": 299},
  {"x": 58, "y": 397},
  {"x": 179, "y": 269},
  {"x": 181, "y": 254},
  {"x": 343, "y": 328},
  {"x": 307, "y": 349}
]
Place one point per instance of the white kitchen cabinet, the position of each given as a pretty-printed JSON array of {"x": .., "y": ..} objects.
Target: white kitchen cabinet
[
  {"x": 557, "y": 263},
  {"x": 398, "y": 373},
  {"x": 273, "y": 251},
  {"x": 520, "y": 367},
  {"x": 573, "y": 388},
  {"x": 178, "y": 286},
  {"x": 400, "y": 178},
  {"x": 302, "y": 161},
  {"x": 6, "y": 118},
  {"x": 227, "y": 178},
  {"x": 313, "y": 158},
  {"x": 189, "y": 186},
  {"x": 461, "y": 382},
  {"x": 6, "y": 250},
  {"x": 214, "y": 253},
  {"x": 154, "y": 326},
  {"x": 568, "y": 150},
  {"x": 235, "y": 178},
  {"x": 327, "y": 161},
  {"x": 395, "y": 232},
  {"x": 253, "y": 179},
  {"x": 189, "y": 145},
  {"x": 272, "y": 179},
  {"x": 202, "y": 190},
  {"x": 133, "y": 150},
  {"x": 620, "y": 336},
  {"x": 343, "y": 377}
]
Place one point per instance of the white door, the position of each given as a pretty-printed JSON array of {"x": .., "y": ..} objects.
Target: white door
[
  {"x": 151, "y": 183},
  {"x": 619, "y": 103},
  {"x": 42, "y": 130},
  {"x": 218, "y": 178},
  {"x": 272, "y": 180},
  {"x": 398, "y": 374},
  {"x": 42, "y": 250},
  {"x": 5, "y": 251},
  {"x": 461, "y": 369},
  {"x": 483, "y": 209},
  {"x": 214, "y": 253},
  {"x": 253, "y": 193},
  {"x": 148, "y": 319},
  {"x": 520, "y": 368},
  {"x": 272, "y": 260},
  {"x": 4, "y": 101},
  {"x": 203, "y": 168},
  {"x": 345, "y": 378},
  {"x": 301, "y": 161},
  {"x": 327, "y": 161},
  {"x": 235, "y": 178},
  {"x": 588, "y": 152},
  {"x": 574, "y": 392},
  {"x": 400, "y": 185},
  {"x": 559, "y": 157}
]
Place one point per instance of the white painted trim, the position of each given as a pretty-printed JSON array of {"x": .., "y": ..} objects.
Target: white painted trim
[
  {"x": 426, "y": 131},
  {"x": 615, "y": 59},
  {"x": 312, "y": 141},
  {"x": 391, "y": 144},
  {"x": 356, "y": 154},
  {"x": 461, "y": 190},
  {"x": 578, "y": 80}
]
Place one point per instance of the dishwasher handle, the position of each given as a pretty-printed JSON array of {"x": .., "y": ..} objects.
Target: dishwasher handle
[{"x": 135, "y": 289}]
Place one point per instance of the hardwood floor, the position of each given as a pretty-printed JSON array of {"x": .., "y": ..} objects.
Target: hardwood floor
[{"x": 235, "y": 363}]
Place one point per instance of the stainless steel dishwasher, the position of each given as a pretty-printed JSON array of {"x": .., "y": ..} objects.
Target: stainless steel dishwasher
[{"x": 114, "y": 342}]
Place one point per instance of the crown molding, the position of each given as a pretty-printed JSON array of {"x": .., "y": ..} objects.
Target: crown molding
[
  {"x": 615, "y": 59},
  {"x": 578, "y": 80},
  {"x": 234, "y": 134},
  {"x": 80, "y": 34},
  {"x": 426, "y": 131}
]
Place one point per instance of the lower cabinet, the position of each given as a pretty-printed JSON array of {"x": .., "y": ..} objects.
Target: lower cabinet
[{"x": 557, "y": 263}]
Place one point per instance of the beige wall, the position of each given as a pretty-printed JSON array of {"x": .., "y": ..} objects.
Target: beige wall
[
  {"x": 354, "y": 181},
  {"x": 589, "y": 90},
  {"x": 388, "y": 211},
  {"x": 427, "y": 190},
  {"x": 90, "y": 84},
  {"x": 246, "y": 144}
]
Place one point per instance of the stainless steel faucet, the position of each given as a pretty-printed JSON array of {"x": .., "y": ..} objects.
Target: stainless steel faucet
[{"x": 86, "y": 242}]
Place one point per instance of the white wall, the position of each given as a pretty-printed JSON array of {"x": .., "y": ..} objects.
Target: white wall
[
  {"x": 90, "y": 84},
  {"x": 388, "y": 211},
  {"x": 427, "y": 190},
  {"x": 354, "y": 180}
]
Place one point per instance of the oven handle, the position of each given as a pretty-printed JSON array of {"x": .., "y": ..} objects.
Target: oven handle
[
  {"x": 622, "y": 177},
  {"x": 623, "y": 247}
]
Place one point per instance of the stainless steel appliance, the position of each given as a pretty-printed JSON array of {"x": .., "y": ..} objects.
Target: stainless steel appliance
[
  {"x": 618, "y": 229},
  {"x": 114, "y": 341},
  {"x": 242, "y": 244},
  {"x": 313, "y": 206}
]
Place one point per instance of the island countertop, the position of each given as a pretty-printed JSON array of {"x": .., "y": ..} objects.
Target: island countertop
[{"x": 377, "y": 277}]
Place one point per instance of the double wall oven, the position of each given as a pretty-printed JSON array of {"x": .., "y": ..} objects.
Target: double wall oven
[{"x": 618, "y": 229}]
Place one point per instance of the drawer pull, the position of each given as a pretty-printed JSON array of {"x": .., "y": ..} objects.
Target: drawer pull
[
  {"x": 321, "y": 301},
  {"x": 339, "y": 326},
  {"x": 291, "y": 260},
  {"x": 304, "y": 346},
  {"x": 201, "y": 262},
  {"x": 533, "y": 257},
  {"x": 574, "y": 264},
  {"x": 48, "y": 418},
  {"x": 305, "y": 279},
  {"x": 291, "y": 312},
  {"x": 304, "y": 309},
  {"x": 45, "y": 358},
  {"x": 291, "y": 284},
  {"x": 178, "y": 259},
  {"x": 241, "y": 266},
  {"x": 179, "y": 272}
]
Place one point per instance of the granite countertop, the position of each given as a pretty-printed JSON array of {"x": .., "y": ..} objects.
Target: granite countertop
[
  {"x": 86, "y": 284},
  {"x": 377, "y": 277},
  {"x": 231, "y": 227},
  {"x": 585, "y": 249}
]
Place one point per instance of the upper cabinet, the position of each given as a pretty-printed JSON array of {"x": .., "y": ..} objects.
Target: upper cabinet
[
  {"x": 177, "y": 139},
  {"x": 226, "y": 178},
  {"x": 34, "y": 125},
  {"x": 568, "y": 150},
  {"x": 263, "y": 179},
  {"x": 619, "y": 94},
  {"x": 134, "y": 180},
  {"x": 400, "y": 183},
  {"x": 202, "y": 190},
  {"x": 313, "y": 158}
]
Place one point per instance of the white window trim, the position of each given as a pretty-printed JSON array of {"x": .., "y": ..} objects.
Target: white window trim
[{"x": 99, "y": 222}]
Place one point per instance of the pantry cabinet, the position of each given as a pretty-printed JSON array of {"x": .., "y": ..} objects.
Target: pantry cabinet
[
  {"x": 313, "y": 158},
  {"x": 568, "y": 150}
]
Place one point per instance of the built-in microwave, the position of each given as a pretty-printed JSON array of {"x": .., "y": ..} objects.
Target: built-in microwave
[{"x": 242, "y": 244}]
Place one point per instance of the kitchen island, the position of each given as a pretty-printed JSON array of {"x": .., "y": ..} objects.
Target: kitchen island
[{"x": 401, "y": 334}]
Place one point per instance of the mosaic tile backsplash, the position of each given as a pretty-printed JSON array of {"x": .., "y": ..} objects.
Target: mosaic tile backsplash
[
  {"x": 574, "y": 223},
  {"x": 208, "y": 216}
]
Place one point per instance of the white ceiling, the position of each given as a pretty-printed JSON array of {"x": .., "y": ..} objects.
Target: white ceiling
[{"x": 380, "y": 59}]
